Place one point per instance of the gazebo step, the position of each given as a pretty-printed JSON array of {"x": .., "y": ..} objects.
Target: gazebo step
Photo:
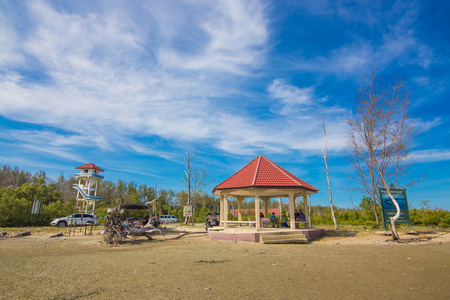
[
  {"x": 286, "y": 241},
  {"x": 280, "y": 232},
  {"x": 283, "y": 237}
]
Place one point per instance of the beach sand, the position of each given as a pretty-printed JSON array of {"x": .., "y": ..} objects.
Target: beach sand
[{"x": 340, "y": 265}]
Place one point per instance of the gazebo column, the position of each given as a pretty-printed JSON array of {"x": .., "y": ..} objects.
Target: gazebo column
[
  {"x": 225, "y": 210},
  {"x": 309, "y": 210},
  {"x": 239, "y": 200},
  {"x": 291, "y": 209},
  {"x": 306, "y": 210},
  {"x": 257, "y": 218},
  {"x": 266, "y": 206},
  {"x": 221, "y": 214}
]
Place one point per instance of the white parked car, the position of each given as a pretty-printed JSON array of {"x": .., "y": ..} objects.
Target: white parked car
[
  {"x": 168, "y": 219},
  {"x": 76, "y": 219}
]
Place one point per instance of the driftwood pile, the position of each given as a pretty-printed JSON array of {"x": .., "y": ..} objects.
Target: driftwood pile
[{"x": 115, "y": 232}]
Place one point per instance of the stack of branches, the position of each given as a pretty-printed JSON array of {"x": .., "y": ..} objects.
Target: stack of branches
[{"x": 115, "y": 231}]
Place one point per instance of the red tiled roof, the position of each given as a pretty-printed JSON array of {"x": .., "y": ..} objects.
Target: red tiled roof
[
  {"x": 90, "y": 166},
  {"x": 262, "y": 172}
]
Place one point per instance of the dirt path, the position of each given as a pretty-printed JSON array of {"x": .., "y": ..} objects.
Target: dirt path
[{"x": 339, "y": 266}]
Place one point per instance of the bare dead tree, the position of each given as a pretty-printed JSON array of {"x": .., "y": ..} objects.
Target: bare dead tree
[
  {"x": 195, "y": 182},
  {"x": 198, "y": 183},
  {"x": 387, "y": 131},
  {"x": 188, "y": 180},
  {"x": 325, "y": 157},
  {"x": 395, "y": 235}
]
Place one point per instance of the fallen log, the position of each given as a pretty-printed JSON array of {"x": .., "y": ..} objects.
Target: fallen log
[
  {"x": 144, "y": 231},
  {"x": 25, "y": 233},
  {"x": 57, "y": 235},
  {"x": 183, "y": 232}
]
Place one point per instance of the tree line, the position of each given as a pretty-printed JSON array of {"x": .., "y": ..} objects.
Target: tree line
[
  {"x": 363, "y": 215},
  {"x": 19, "y": 188}
]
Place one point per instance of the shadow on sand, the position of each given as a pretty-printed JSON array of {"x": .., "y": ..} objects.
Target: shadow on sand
[
  {"x": 338, "y": 233},
  {"x": 341, "y": 233},
  {"x": 420, "y": 237}
]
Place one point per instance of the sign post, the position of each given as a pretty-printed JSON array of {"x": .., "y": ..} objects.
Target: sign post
[
  {"x": 187, "y": 211},
  {"x": 36, "y": 209},
  {"x": 388, "y": 208}
]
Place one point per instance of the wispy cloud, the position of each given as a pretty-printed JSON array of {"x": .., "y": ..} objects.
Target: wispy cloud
[
  {"x": 304, "y": 108},
  {"x": 430, "y": 155},
  {"x": 104, "y": 76},
  {"x": 108, "y": 84},
  {"x": 45, "y": 141},
  {"x": 109, "y": 75},
  {"x": 10, "y": 54},
  {"x": 394, "y": 38},
  {"x": 236, "y": 37},
  {"x": 292, "y": 98},
  {"x": 424, "y": 126}
]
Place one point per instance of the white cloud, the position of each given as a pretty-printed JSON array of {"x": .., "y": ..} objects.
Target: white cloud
[
  {"x": 359, "y": 11},
  {"x": 107, "y": 81},
  {"x": 289, "y": 94},
  {"x": 430, "y": 155},
  {"x": 45, "y": 141},
  {"x": 348, "y": 60},
  {"x": 394, "y": 38},
  {"x": 424, "y": 126},
  {"x": 236, "y": 36},
  {"x": 108, "y": 78},
  {"x": 10, "y": 53},
  {"x": 292, "y": 99}
]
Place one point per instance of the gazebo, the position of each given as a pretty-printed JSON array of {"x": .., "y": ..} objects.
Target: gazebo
[{"x": 261, "y": 179}]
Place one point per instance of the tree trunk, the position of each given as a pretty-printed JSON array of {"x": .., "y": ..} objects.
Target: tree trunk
[
  {"x": 395, "y": 235},
  {"x": 188, "y": 179},
  {"x": 325, "y": 157},
  {"x": 375, "y": 210}
]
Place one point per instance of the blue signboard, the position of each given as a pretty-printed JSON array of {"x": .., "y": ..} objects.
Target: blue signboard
[{"x": 388, "y": 207}]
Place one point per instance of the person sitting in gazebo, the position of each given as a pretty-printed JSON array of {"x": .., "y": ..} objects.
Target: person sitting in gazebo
[
  {"x": 301, "y": 215},
  {"x": 274, "y": 220}
]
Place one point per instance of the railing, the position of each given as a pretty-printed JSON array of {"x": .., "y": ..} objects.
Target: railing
[
  {"x": 264, "y": 222},
  {"x": 250, "y": 223},
  {"x": 88, "y": 175},
  {"x": 84, "y": 194}
]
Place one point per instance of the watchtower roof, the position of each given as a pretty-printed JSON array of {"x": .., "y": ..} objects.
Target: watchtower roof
[{"x": 90, "y": 166}]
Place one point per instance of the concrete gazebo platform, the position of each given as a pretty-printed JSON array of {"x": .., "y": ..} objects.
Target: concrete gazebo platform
[
  {"x": 252, "y": 236},
  {"x": 261, "y": 179}
]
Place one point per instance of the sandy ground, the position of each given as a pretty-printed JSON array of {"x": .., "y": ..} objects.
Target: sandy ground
[{"x": 342, "y": 265}]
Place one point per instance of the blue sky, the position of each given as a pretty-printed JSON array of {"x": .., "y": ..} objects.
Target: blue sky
[{"x": 132, "y": 85}]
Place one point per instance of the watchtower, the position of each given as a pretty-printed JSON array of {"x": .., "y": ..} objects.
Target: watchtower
[{"x": 88, "y": 180}]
